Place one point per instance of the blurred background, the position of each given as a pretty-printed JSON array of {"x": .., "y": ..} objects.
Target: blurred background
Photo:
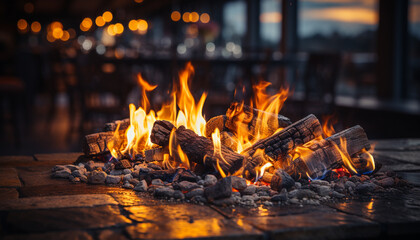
[{"x": 69, "y": 66}]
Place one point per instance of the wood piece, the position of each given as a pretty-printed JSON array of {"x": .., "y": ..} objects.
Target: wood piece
[
  {"x": 155, "y": 154},
  {"x": 248, "y": 119},
  {"x": 215, "y": 122},
  {"x": 112, "y": 126},
  {"x": 229, "y": 140},
  {"x": 324, "y": 155},
  {"x": 279, "y": 145},
  {"x": 96, "y": 143},
  {"x": 198, "y": 149}
]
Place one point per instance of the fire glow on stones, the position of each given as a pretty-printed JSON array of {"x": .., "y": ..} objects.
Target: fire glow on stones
[{"x": 184, "y": 110}]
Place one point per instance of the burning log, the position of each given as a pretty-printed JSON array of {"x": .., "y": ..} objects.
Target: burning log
[
  {"x": 112, "y": 126},
  {"x": 280, "y": 144},
  {"x": 254, "y": 119},
  {"x": 198, "y": 149},
  {"x": 328, "y": 154},
  {"x": 216, "y": 122},
  {"x": 155, "y": 154}
]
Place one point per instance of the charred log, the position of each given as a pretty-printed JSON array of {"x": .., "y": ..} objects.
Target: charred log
[
  {"x": 327, "y": 154},
  {"x": 279, "y": 145},
  {"x": 198, "y": 149},
  {"x": 96, "y": 143},
  {"x": 216, "y": 122},
  {"x": 112, "y": 126}
]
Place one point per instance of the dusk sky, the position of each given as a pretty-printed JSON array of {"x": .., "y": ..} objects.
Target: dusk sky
[{"x": 347, "y": 17}]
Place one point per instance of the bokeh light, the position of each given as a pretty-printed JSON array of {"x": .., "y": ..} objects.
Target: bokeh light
[
  {"x": 205, "y": 18},
  {"x": 99, "y": 21},
  {"x": 110, "y": 30},
  {"x": 66, "y": 36},
  {"x": 133, "y": 25},
  {"x": 22, "y": 25},
  {"x": 36, "y": 27},
  {"x": 57, "y": 33},
  {"x": 118, "y": 28},
  {"x": 142, "y": 25},
  {"x": 175, "y": 16},
  {"x": 194, "y": 17},
  {"x": 107, "y": 15},
  {"x": 86, "y": 24},
  {"x": 186, "y": 17}
]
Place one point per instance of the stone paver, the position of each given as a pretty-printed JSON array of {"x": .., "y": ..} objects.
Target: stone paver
[
  {"x": 209, "y": 228},
  {"x": 111, "y": 235},
  {"x": 397, "y": 144},
  {"x": 8, "y": 194},
  {"x": 9, "y": 178},
  {"x": 263, "y": 211},
  {"x": 51, "y": 202},
  {"x": 188, "y": 212},
  {"x": 42, "y": 220},
  {"x": 16, "y": 161},
  {"x": 39, "y": 176},
  {"x": 57, "y": 158},
  {"x": 67, "y": 189},
  {"x": 397, "y": 214},
  {"x": 129, "y": 198},
  {"x": 65, "y": 235},
  {"x": 316, "y": 225},
  {"x": 411, "y": 157}
]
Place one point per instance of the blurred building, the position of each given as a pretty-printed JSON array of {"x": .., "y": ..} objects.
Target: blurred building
[{"x": 68, "y": 66}]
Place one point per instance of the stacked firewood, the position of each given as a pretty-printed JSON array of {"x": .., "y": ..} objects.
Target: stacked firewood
[{"x": 281, "y": 148}]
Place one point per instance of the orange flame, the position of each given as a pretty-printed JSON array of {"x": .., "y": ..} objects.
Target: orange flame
[
  {"x": 328, "y": 125},
  {"x": 188, "y": 114},
  {"x": 217, "y": 152}
]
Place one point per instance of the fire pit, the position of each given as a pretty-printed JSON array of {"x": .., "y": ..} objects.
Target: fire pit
[{"x": 251, "y": 155}]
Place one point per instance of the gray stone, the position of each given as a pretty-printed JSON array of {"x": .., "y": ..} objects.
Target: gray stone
[
  {"x": 58, "y": 168},
  {"x": 210, "y": 180},
  {"x": 78, "y": 172},
  {"x": 134, "y": 181},
  {"x": 116, "y": 172},
  {"x": 222, "y": 189},
  {"x": 194, "y": 192},
  {"x": 225, "y": 201},
  {"x": 199, "y": 199},
  {"x": 157, "y": 182},
  {"x": 65, "y": 173},
  {"x": 339, "y": 187},
  {"x": 178, "y": 195},
  {"x": 83, "y": 178},
  {"x": 238, "y": 183},
  {"x": 337, "y": 195},
  {"x": 163, "y": 192},
  {"x": 282, "y": 197},
  {"x": 72, "y": 167},
  {"x": 324, "y": 190},
  {"x": 320, "y": 182},
  {"x": 127, "y": 177},
  {"x": 111, "y": 179},
  {"x": 200, "y": 182},
  {"x": 186, "y": 186},
  {"x": 304, "y": 193},
  {"x": 97, "y": 177},
  {"x": 350, "y": 184},
  {"x": 268, "y": 203},
  {"x": 281, "y": 179},
  {"x": 294, "y": 201},
  {"x": 298, "y": 185},
  {"x": 366, "y": 188},
  {"x": 249, "y": 190},
  {"x": 126, "y": 171},
  {"x": 127, "y": 185},
  {"x": 386, "y": 182},
  {"x": 141, "y": 186}
]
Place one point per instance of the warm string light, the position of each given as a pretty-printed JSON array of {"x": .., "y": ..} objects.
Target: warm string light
[{"x": 190, "y": 17}]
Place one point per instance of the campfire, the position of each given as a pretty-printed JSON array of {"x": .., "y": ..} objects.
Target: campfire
[{"x": 252, "y": 144}]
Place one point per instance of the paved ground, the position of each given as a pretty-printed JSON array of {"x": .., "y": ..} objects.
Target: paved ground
[{"x": 35, "y": 206}]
